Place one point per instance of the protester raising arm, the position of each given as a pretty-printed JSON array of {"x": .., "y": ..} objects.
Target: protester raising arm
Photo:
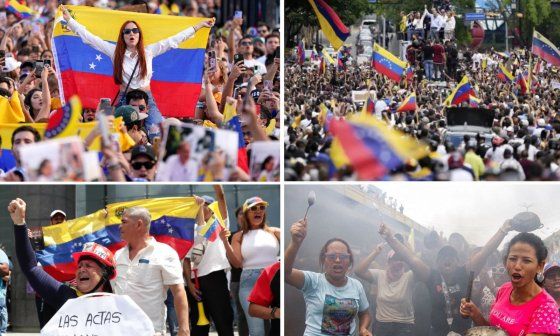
[
  {"x": 212, "y": 112},
  {"x": 294, "y": 276},
  {"x": 43, "y": 115},
  {"x": 421, "y": 270},
  {"x": 237, "y": 70},
  {"x": 477, "y": 261},
  {"x": 362, "y": 270}
]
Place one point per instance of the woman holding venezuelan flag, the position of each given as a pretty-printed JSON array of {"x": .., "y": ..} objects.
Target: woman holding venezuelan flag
[{"x": 132, "y": 61}]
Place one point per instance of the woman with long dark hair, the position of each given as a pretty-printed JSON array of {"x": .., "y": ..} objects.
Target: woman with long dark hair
[
  {"x": 522, "y": 307},
  {"x": 131, "y": 59}
]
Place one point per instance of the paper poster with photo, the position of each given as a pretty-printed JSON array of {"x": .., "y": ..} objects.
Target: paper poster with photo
[
  {"x": 265, "y": 161},
  {"x": 187, "y": 152},
  {"x": 54, "y": 160}
]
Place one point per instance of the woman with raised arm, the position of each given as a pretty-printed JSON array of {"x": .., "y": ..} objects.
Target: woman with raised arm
[
  {"x": 522, "y": 307},
  {"x": 333, "y": 300},
  {"x": 132, "y": 61},
  {"x": 95, "y": 265}
]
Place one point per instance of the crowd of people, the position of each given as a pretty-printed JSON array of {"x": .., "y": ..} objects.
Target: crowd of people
[
  {"x": 172, "y": 292},
  {"x": 445, "y": 287},
  {"x": 513, "y": 124},
  {"x": 241, "y": 74}
]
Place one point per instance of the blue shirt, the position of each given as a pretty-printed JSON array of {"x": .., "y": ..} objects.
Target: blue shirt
[{"x": 331, "y": 310}]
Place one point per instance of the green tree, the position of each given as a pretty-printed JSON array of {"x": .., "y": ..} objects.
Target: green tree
[{"x": 299, "y": 13}]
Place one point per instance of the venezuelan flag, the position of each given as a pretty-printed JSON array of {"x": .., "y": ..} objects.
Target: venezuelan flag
[
  {"x": 82, "y": 130},
  {"x": 64, "y": 122},
  {"x": 522, "y": 82},
  {"x": 409, "y": 104},
  {"x": 387, "y": 63},
  {"x": 409, "y": 73},
  {"x": 173, "y": 221},
  {"x": 19, "y": 10},
  {"x": 370, "y": 105},
  {"x": 503, "y": 74},
  {"x": 473, "y": 101},
  {"x": 232, "y": 122},
  {"x": 371, "y": 147},
  {"x": 88, "y": 73},
  {"x": 331, "y": 25},
  {"x": 545, "y": 49},
  {"x": 212, "y": 228},
  {"x": 460, "y": 93}
]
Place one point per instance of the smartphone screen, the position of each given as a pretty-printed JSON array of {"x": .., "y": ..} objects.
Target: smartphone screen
[
  {"x": 105, "y": 106},
  {"x": 238, "y": 14},
  {"x": 212, "y": 61},
  {"x": 268, "y": 85},
  {"x": 47, "y": 62},
  {"x": 237, "y": 58},
  {"x": 38, "y": 68}
]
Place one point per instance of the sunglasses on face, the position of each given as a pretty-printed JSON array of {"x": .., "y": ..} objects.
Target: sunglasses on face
[
  {"x": 257, "y": 207},
  {"x": 246, "y": 43},
  {"x": 133, "y": 30},
  {"x": 138, "y": 165},
  {"x": 339, "y": 256}
]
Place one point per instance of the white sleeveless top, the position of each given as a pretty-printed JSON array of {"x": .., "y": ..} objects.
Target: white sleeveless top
[{"x": 259, "y": 249}]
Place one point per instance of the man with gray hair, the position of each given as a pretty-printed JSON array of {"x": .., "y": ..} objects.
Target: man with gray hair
[{"x": 147, "y": 268}]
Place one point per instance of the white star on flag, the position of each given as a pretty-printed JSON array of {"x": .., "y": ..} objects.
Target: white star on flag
[
  {"x": 98, "y": 58},
  {"x": 170, "y": 230},
  {"x": 92, "y": 66}
]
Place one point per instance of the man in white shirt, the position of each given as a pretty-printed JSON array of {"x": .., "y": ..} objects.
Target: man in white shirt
[
  {"x": 147, "y": 268},
  {"x": 180, "y": 166},
  {"x": 380, "y": 106},
  {"x": 272, "y": 42},
  {"x": 245, "y": 47},
  {"x": 209, "y": 267}
]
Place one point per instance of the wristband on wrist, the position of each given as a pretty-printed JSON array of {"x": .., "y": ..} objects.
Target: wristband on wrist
[{"x": 272, "y": 311}]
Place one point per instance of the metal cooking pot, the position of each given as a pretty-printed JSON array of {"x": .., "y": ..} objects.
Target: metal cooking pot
[
  {"x": 526, "y": 222},
  {"x": 486, "y": 331}
]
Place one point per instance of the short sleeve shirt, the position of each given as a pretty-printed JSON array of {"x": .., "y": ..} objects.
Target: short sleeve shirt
[
  {"x": 538, "y": 316},
  {"x": 331, "y": 310},
  {"x": 147, "y": 277}
]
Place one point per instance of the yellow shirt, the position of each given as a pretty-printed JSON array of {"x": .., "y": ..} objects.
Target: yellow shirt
[{"x": 476, "y": 163}]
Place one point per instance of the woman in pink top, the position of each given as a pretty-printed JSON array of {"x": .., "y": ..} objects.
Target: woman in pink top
[{"x": 522, "y": 307}]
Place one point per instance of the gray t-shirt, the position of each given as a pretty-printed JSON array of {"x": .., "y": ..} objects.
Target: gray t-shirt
[
  {"x": 394, "y": 299},
  {"x": 331, "y": 310}
]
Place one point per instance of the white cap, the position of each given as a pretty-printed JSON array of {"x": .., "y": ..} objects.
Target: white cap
[
  {"x": 10, "y": 64},
  {"x": 58, "y": 211}
]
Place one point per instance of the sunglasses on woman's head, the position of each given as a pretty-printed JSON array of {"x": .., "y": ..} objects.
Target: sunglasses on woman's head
[
  {"x": 257, "y": 207},
  {"x": 132, "y": 30},
  {"x": 138, "y": 165}
]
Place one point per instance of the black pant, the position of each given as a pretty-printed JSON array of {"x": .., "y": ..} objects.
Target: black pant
[{"x": 217, "y": 305}]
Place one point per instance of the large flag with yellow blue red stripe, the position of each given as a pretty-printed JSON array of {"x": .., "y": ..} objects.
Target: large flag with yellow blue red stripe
[
  {"x": 331, "y": 25},
  {"x": 173, "y": 221},
  {"x": 88, "y": 73},
  {"x": 19, "y": 10}
]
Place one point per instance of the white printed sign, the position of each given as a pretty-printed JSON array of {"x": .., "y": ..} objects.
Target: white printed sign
[{"x": 99, "y": 314}]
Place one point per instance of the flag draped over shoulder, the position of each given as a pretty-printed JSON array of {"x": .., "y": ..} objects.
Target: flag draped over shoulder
[
  {"x": 461, "y": 93},
  {"x": 387, "y": 63},
  {"x": 331, "y": 25},
  {"x": 88, "y": 73},
  {"x": 371, "y": 147},
  {"x": 545, "y": 49},
  {"x": 212, "y": 228},
  {"x": 173, "y": 221}
]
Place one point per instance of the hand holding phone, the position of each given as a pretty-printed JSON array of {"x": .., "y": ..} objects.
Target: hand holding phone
[
  {"x": 105, "y": 106},
  {"x": 212, "y": 62},
  {"x": 238, "y": 14},
  {"x": 38, "y": 68}
]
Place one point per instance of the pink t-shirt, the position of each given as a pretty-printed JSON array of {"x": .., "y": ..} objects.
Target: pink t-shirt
[{"x": 538, "y": 316}]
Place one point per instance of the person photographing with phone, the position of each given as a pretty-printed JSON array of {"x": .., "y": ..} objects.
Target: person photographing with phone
[{"x": 132, "y": 61}]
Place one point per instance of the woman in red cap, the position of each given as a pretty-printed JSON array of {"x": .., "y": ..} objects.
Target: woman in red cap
[
  {"x": 95, "y": 265},
  {"x": 253, "y": 248}
]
